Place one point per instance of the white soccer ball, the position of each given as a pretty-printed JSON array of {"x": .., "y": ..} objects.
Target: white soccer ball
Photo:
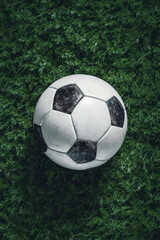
[{"x": 80, "y": 121}]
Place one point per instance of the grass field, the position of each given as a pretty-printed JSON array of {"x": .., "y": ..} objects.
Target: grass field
[{"x": 42, "y": 41}]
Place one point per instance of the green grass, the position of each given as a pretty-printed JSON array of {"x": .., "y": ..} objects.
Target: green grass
[{"x": 42, "y": 41}]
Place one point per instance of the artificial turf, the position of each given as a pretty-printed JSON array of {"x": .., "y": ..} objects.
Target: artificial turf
[{"x": 42, "y": 41}]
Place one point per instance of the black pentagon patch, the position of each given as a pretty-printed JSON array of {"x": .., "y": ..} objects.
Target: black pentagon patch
[
  {"x": 66, "y": 98},
  {"x": 39, "y": 137},
  {"x": 116, "y": 112},
  {"x": 83, "y": 151}
]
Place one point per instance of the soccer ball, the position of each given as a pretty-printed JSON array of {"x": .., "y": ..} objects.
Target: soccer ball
[{"x": 80, "y": 121}]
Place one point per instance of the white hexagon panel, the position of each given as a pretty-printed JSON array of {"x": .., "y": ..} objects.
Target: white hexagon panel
[
  {"x": 91, "y": 119},
  {"x": 44, "y": 105},
  {"x": 58, "y": 132},
  {"x": 110, "y": 143},
  {"x": 94, "y": 87},
  {"x": 62, "y": 159},
  {"x": 80, "y": 121}
]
